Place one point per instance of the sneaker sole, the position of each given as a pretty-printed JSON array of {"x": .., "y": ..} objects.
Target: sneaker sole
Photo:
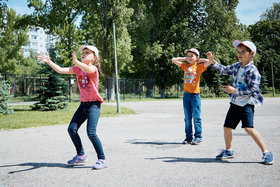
[
  {"x": 196, "y": 143},
  {"x": 99, "y": 168},
  {"x": 77, "y": 164},
  {"x": 268, "y": 163},
  {"x": 225, "y": 158}
]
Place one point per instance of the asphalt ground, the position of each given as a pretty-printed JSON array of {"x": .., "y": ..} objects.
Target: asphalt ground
[{"x": 145, "y": 149}]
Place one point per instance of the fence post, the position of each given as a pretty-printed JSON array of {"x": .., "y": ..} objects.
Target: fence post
[
  {"x": 24, "y": 84},
  {"x": 15, "y": 78}
]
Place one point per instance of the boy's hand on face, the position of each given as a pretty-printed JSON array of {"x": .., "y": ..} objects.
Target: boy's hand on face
[{"x": 229, "y": 89}]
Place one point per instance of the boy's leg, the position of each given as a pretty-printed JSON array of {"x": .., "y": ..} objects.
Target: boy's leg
[
  {"x": 257, "y": 138},
  {"x": 248, "y": 125},
  {"x": 228, "y": 137},
  {"x": 188, "y": 116},
  {"x": 196, "y": 111}
]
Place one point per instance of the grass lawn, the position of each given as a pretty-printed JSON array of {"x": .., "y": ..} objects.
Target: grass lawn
[{"x": 24, "y": 117}]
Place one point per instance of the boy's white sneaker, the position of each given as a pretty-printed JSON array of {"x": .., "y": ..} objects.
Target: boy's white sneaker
[{"x": 100, "y": 164}]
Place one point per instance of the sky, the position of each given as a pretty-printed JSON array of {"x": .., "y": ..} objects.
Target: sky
[{"x": 248, "y": 11}]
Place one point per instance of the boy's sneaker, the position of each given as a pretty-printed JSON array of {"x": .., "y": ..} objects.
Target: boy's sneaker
[
  {"x": 268, "y": 158},
  {"x": 78, "y": 159},
  {"x": 100, "y": 164},
  {"x": 197, "y": 141},
  {"x": 225, "y": 154},
  {"x": 187, "y": 141}
]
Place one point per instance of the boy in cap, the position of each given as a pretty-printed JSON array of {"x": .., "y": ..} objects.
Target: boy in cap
[
  {"x": 245, "y": 95},
  {"x": 191, "y": 99}
]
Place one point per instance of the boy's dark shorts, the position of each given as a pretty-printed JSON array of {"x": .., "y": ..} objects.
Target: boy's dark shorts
[{"x": 237, "y": 113}]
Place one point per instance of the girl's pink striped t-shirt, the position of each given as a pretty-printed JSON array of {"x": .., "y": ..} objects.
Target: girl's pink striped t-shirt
[{"x": 88, "y": 85}]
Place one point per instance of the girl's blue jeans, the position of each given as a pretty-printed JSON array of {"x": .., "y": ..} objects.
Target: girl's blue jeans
[
  {"x": 91, "y": 112},
  {"x": 192, "y": 110}
]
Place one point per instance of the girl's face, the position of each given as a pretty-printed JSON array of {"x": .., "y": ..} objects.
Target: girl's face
[
  {"x": 244, "y": 55},
  {"x": 192, "y": 58},
  {"x": 88, "y": 56}
]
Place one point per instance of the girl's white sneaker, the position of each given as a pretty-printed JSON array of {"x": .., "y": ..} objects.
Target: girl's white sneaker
[{"x": 100, "y": 164}]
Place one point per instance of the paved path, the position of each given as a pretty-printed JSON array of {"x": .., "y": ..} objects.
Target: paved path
[{"x": 145, "y": 150}]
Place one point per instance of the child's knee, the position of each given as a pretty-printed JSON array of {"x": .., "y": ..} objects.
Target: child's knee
[
  {"x": 72, "y": 129},
  {"x": 249, "y": 131}
]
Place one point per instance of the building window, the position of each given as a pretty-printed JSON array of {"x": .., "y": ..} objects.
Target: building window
[
  {"x": 34, "y": 37},
  {"x": 34, "y": 43}
]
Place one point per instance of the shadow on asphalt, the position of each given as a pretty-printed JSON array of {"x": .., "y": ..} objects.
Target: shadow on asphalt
[
  {"x": 34, "y": 165},
  {"x": 199, "y": 160},
  {"x": 153, "y": 143}
]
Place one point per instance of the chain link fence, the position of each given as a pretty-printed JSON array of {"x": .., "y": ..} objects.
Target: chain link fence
[{"x": 26, "y": 85}]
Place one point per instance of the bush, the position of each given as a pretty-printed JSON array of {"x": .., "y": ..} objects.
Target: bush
[{"x": 4, "y": 98}]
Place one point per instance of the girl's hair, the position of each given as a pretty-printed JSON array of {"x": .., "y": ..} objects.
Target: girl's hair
[{"x": 98, "y": 64}]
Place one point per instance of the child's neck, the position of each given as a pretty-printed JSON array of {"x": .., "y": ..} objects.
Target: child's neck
[
  {"x": 244, "y": 63},
  {"x": 193, "y": 63}
]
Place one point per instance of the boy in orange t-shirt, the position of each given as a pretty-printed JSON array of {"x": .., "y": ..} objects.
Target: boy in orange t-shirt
[{"x": 191, "y": 98}]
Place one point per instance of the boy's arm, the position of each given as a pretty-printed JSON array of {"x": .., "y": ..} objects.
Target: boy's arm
[
  {"x": 86, "y": 68},
  {"x": 178, "y": 60},
  {"x": 46, "y": 58},
  {"x": 225, "y": 70},
  {"x": 205, "y": 62}
]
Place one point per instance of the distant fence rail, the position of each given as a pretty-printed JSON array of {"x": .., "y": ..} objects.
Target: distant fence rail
[{"x": 28, "y": 84}]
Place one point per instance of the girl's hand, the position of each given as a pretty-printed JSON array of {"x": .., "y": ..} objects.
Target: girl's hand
[
  {"x": 75, "y": 60},
  {"x": 210, "y": 57},
  {"x": 43, "y": 58}
]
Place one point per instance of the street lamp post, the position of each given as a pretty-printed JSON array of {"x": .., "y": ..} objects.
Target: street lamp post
[{"x": 116, "y": 71}]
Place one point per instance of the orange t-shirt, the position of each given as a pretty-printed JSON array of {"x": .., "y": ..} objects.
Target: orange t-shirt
[{"x": 192, "y": 77}]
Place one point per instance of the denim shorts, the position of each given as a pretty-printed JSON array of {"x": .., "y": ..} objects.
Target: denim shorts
[{"x": 236, "y": 113}]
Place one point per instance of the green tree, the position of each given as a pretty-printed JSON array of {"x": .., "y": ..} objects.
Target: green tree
[
  {"x": 160, "y": 30},
  {"x": 12, "y": 37},
  {"x": 100, "y": 16},
  {"x": 58, "y": 18},
  {"x": 266, "y": 36},
  {"x": 220, "y": 27},
  {"x": 264, "y": 82},
  {"x": 53, "y": 90},
  {"x": 272, "y": 14}
]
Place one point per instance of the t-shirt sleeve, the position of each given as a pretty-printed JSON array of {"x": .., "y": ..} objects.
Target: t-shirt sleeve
[
  {"x": 183, "y": 66},
  {"x": 201, "y": 68},
  {"x": 75, "y": 69}
]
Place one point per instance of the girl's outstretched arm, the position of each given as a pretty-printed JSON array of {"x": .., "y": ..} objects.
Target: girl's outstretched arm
[{"x": 46, "y": 58}]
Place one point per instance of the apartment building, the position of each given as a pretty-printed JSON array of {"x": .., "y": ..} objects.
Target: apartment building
[{"x": 39, "y": 41}]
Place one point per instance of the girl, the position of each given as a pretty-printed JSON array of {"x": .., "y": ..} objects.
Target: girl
[{"x": 87, "y": 73}]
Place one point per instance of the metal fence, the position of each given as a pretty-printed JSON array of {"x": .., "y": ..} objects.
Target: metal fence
[
  {"x": 131, "y": 88},
  {"x": 28, "y": 84}
]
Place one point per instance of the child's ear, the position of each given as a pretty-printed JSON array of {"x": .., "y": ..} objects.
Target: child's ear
[{"x": 252, "y": 53}]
